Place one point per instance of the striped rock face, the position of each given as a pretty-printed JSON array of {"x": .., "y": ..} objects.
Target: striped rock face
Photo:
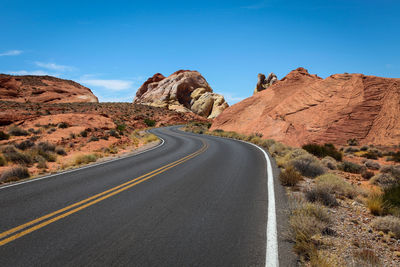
[
  {"x": 303, "y": 108},
  {"x": 43, "y": 89},
  {"x": 183, "y": 91}
]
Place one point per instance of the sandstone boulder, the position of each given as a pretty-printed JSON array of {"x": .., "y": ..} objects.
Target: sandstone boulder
[
  {"x": 183, "y": 91},
  {"x": 304, "y": 108},
  {"x": 263, "y": 83},
  {"x": 43, "y": 89}
]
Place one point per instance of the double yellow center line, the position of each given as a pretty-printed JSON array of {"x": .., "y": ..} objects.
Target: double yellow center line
[{"x": 36, "y": 224}]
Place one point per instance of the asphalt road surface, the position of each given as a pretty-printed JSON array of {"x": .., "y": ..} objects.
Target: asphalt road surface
[{"x": 195, "y": 200}]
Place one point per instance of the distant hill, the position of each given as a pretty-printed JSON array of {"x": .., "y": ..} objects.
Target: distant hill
[{"x": 43, "y": 89}]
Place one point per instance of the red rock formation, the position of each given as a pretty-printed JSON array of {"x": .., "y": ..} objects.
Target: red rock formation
[
  {"x": 304, "y": 108},
  {"x": 43, "y": 89}
]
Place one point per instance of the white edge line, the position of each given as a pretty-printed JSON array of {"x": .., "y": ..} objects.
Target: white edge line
[
  {"x": 272, "y": 257},
  {"x": 84, "y": 167}
]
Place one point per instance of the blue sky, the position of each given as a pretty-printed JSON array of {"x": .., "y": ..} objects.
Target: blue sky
[{"x": 113, "y": 46}]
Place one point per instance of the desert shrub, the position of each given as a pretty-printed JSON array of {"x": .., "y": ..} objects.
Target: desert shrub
[
  {"x": 392, "y": 170},
  {"x": 370, "y": 155},
  {"x": 384, "y": 180},
  {"x": 4, "y": 136},
  {"x": 364, "y": 148},
  {"x": 290, "y": 177},
  {"x": 352, "y": 142},
  {"x": 367, "y": 174},
  {"x": 84, "y": 133},
  {"x": 387, "y": 224},
  {"x": 351, "y": 167},
  {"x": 2, "y": 161},
  {"x": 25, "y": 145},
  {"x": 329, "y": 163},
  {"x": 63, "y": 125},
  {"x": 321, "y": 195},
  {"x": 395, "y": 157},
  {"x": 60, "y": 151},
  {"x": 308, "y": 166},
  {"x": 113, "y": 133},
  {"x": 121, "y": 127},
  {"x": 93, "y": 139},
  {"x": 335, "y": 185},
  {"x": 12, "y": 155},
  {"x": 14, "y": 174},
  {"x": 17, "y": 131},
  {"x": 323, "y": 151},
  {"x": 290, "y": 155},
  {"x": 370, "y": 164},
  {"x": 391, "y": 198},
  {"x": 72, "y": 135},
  {"x": 85, "y": 159},
  {"x": 149, "y": 122},
  {"x": 351, "y": 150},
  {"x": 46, "y": 146}
]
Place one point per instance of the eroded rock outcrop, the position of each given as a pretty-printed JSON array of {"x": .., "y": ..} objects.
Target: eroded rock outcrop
[
  {"x": 43, "y": 89},
  {"x": 263, "y": 83},
  {"x": 304, "y": 108},
  {"x": 184, "y": 91}
]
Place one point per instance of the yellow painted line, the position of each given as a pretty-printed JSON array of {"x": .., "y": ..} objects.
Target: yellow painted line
[{"x": 124, "y": 186}]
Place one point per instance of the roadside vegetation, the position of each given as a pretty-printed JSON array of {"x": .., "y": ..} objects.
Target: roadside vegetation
[
  {"x": 25, "y": 154},
  {"x": 344, "y": 202}
]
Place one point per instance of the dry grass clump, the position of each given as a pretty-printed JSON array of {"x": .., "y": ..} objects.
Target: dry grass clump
[
  {"x": 290, "y": 177},
  {"x": 366, "y": 257},
  {"x": 85, "y": 159},
  {"x": 14, "y": 174},
  {"x": 306, "y": 220},
  {"x": 375, "y": 204},
  {"x": 387, "y": 224},
  {"x": 335, "y": 185},
  {"x": 308, "y": 165},
  {"x": 148, "y": 138}
]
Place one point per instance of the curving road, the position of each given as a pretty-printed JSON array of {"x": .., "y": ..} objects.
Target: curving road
[{"x": 193, "y": 201}]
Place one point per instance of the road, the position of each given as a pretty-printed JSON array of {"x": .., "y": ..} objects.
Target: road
[{"x": 195, "y": 200}]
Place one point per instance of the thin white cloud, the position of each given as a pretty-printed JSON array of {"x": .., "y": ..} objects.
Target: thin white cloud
[
  {"x": 115, "y": 85},
  {"x": 11, "y": 53},
  {"x": 231, "y": 98},
  {"x": 53, "y": 66},
  {"x": 28, "y": 72}
]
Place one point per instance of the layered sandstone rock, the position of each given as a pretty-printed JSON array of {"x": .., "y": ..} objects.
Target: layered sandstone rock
[
  {"x": 263, "y": 83},
  {"x": 184, "y": 91},
  {"x": 43, "y": 89},
  {"x": 304, "y": 108}
]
